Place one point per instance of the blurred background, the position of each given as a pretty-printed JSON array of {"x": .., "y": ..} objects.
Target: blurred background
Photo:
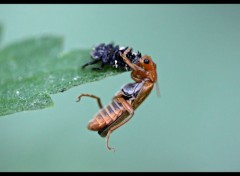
[{"x": 192, "y": 126}]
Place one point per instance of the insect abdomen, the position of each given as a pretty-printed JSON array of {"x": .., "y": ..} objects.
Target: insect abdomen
[{"x": 106, "y": 116}]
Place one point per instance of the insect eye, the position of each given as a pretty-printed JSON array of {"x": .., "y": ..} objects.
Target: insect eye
[{"x": 146, "y": 61}]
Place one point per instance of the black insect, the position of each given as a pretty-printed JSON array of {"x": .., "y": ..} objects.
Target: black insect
[{"x": 108, "y": 54}]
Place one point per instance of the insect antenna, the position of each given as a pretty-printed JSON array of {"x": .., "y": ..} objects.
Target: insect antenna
[{"x": 157, "y": 89}]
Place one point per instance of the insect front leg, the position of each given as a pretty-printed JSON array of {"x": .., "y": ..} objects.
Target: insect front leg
[
  {"x": 91, "y": 96},
  {"x": 130, "y": 110},
  {"x": 136, "y": 77},
  {"x": 126, "y": 60},
  {"x": 99, "y": 68},
  {"x": 90, "y": 63}
]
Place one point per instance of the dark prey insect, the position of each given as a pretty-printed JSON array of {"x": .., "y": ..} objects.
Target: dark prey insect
[
  {"x": 108, "y": 54},
  {"x": 126, "y": 101}
]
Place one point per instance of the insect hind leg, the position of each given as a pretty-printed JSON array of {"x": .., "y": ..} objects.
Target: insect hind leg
[
  {"x": 91, "y": 96},
  {"x": 114, "y": 128},
  {"x": 130, "y": 110}
]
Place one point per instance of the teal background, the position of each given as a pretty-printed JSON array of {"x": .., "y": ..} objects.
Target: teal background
[{"x": 193, "y": 126}]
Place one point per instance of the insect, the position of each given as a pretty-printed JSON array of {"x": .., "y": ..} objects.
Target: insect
[
  {"x": 127, "y": 100},
  {"x": 108, "y": 54}
]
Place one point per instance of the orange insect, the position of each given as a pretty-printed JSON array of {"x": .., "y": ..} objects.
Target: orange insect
[{"x": 126, "y": 101}]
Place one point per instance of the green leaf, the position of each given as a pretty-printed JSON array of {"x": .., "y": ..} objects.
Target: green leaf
[{"x": 33, "y": 69}]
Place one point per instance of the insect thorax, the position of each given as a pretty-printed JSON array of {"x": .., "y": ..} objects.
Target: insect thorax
[{"x": 131, "y": 90}]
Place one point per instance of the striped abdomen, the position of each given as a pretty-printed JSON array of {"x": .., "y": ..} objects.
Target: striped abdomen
[{"x": 106, "y": 116}]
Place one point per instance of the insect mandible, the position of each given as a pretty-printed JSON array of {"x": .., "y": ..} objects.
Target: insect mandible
[{"x": 127, "y": 100}]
